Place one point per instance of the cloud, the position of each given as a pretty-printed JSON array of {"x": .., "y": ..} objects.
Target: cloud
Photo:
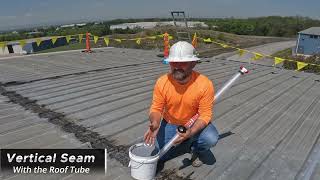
[
  {"x": 28, "y": 14},
  {"x": 7, "y": 17}
]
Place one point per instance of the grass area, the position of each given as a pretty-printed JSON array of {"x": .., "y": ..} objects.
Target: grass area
[
  {"x": 287, "y": 54},
  {"x": 283, "y": 54},
  {"x": 204, "y": 49},
  {"x": 65, "y": 48}
]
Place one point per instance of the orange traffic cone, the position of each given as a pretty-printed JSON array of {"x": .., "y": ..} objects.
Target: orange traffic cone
[
  {"x": 194, "y": 40},
  {"x": 166, "y": 48},
  {"x": 166, "y": 45},
  {"x": 88, "y": 49}
]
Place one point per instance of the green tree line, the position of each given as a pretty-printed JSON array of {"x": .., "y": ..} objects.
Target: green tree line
[{"x": 261, "y": 26}]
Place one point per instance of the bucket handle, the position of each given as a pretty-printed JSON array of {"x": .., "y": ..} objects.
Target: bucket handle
[{"x": 136, "y": 167}]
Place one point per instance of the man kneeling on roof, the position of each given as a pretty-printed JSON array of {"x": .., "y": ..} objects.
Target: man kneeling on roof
[{"x": 178, "y": 96}]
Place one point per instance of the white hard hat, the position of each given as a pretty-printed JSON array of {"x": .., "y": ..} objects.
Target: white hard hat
[{"x": 182, "y": 51}]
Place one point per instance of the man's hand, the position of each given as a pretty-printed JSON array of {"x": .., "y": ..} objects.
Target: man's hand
[
  {"x": 151, "y": 134},
  {"x": 197, "y": 126},
  {"x": 183, "y": 136}
]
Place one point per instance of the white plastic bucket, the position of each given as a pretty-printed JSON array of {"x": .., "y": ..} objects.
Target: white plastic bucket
[{"x": 143, "y": 161}]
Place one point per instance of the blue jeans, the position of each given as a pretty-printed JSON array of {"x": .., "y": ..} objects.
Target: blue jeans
[{"x": 200, "y": 142}]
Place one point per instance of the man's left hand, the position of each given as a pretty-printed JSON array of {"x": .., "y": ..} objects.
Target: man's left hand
[{"x": 183, "y": 136}]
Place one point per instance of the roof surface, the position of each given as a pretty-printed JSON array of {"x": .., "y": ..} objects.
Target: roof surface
[
  {"x": 311, "y": 31},
  {"x": 268, "y": 121}
]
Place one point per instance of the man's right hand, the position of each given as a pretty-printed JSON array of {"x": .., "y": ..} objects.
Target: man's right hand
[{"x": 151, "y": 134}]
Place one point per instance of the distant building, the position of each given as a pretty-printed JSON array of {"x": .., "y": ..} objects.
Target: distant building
[
  {"x": 72, "y": 25},
  {"x": 15, "y": 48},
  {"x": 150, "y": 25},
  {"x": 67, "y": 25},
  {"x": 308, "y": 42},
  {"x": 34, "y": 32},
  {"x": 31, "y": 46},
  {"x": 81, "y": 24}
]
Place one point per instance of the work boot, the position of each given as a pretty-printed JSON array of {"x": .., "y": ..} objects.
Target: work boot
[{"x": 196, "y": 162}]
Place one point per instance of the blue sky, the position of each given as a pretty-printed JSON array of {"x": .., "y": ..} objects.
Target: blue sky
[{"x": 23, "y": 13}]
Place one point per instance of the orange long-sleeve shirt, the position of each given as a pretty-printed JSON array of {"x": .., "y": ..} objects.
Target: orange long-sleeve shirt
[{"x": 179, "y": 103}]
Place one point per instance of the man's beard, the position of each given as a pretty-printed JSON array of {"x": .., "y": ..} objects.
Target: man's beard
[{"x": 179, "y": 74}]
